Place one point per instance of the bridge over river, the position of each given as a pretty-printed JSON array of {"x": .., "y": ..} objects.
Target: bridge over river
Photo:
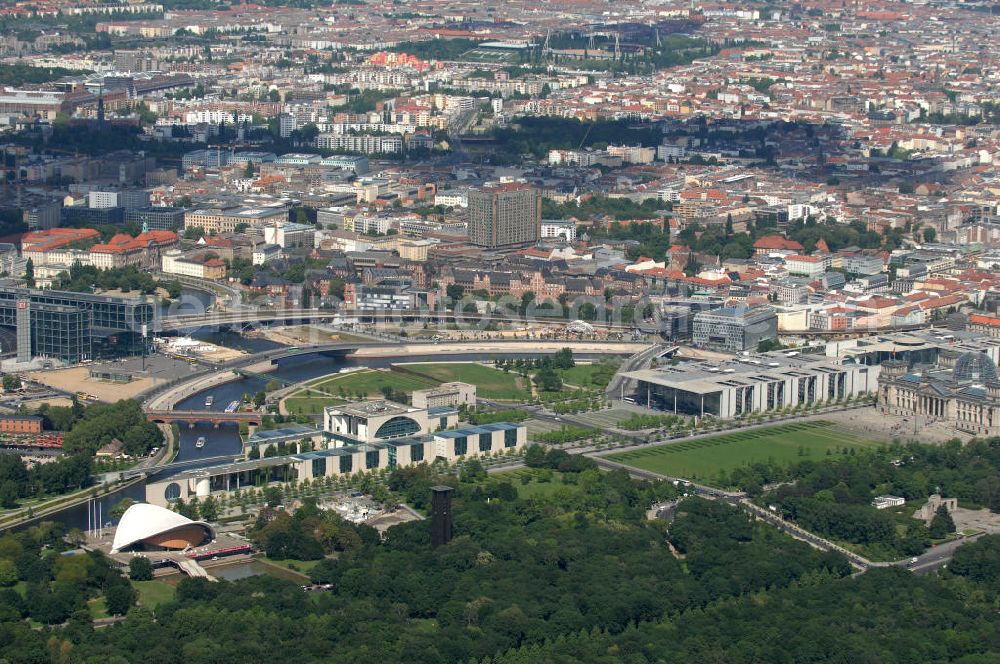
[{"x": 192, "y": 417}]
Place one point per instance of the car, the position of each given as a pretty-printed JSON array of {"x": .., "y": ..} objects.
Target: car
[{"x": 913, "y": 561}]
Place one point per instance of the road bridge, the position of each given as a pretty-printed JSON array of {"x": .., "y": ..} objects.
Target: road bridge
[
  {"x": 302, "y": 316},
  {"x": 179, "y": 466},
  {"x": 192, "y": 417},
  {"x": 641, "y": 360},
  {"x": 250, "y": 317}
]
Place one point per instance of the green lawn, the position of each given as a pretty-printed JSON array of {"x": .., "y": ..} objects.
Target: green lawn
[
  {"x": 490, "y": 383},
  {"x": 98, "y": 607},
  {"x": 582, "y": 375},
  {"x": 154, "y": 593},
  {"x": 327, "y": 391},
  {"x": 308, "y": 406},
  {"x": 370, "y": 382},
  {"x": 300, "y": 566},
  {"x": 703, "y": 458}
]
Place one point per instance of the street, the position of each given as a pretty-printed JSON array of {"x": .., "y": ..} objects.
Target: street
[{"x": 937, "y": 557}]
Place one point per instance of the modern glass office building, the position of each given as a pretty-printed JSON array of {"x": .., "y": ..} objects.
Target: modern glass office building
[
  {"x": 77, "y": 326},
  {"x": 156, "y": 218}
]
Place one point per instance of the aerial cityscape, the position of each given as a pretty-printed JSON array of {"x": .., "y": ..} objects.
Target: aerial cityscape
[{"x": 442, "y": 332}]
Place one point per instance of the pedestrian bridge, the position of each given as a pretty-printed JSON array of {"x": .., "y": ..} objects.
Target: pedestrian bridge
[{"x": 194, "y": 570}]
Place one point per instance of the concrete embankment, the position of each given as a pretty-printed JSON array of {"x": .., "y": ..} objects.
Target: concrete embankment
[
  {"x": 168, "y": 399},
  {"x": 476, "y": 346}
]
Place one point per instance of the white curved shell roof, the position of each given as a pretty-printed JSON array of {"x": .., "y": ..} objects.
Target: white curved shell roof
[{"x": 143, "y": 520}]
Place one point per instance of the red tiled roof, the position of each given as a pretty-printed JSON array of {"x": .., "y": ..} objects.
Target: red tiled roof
[
  {"x": 983, "y": 319},
  {"x": 777, "y": 242},
  {"x": 878, "y": 303},
  {"x": 55, "y": 238}
]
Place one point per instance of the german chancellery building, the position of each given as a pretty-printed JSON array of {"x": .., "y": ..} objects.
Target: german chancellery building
[{"x": 363, "y": 436}]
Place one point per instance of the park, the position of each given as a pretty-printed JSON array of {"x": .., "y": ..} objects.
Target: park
[{"x": 704, "y": 458}]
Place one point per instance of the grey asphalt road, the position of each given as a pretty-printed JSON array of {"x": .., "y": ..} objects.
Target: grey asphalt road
[{"x": 937, "y": 557}]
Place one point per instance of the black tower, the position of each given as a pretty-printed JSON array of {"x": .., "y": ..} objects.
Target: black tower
[
  {"x": 441, "y": 515},
  {"x": 100, "y": 108}
]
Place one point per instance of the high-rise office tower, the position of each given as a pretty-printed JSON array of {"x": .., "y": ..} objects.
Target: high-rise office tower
[{"x": 504, "y": 215}]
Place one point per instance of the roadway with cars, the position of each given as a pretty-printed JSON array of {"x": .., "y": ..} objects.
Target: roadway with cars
[{"x": 937, "y": 557}]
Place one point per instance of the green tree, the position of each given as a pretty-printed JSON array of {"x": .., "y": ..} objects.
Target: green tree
[
  {"x": 548, "y": 380},
  {"x": 29, "y": 273},
  {"x": 563, "y": 359},
  {"x": 942, "y": 524},
  {"x": 187, "y": 509},
  {"x": 120, "y": 507},
  {"x": 534, "y": 456},
  {"x": 767, "y": 345},
  {"x": 8, "y": 494},
  {"x": 140, "y": 569},
  {"x": 588, "y": 311},
  {"x": 120, "y": 598},
  {"x": 11, "y": 382},
  {"x": 472, "y": 471},
  {"x": 210, "y": 509},
  {"x": 8, "y": 572},
  {"x": 272, "y": 496}
]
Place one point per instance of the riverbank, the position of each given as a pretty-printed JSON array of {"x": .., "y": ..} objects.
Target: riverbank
[
  {"x": 42, "y": 511},
  {"x": 168, "y": 399},
  {"x": 499, "y": 346}
]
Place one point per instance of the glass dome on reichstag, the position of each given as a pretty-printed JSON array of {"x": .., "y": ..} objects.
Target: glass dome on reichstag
[{"x": 975, "y": 367}]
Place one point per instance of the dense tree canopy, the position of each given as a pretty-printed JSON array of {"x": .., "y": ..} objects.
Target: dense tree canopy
[
  {"x": 833, "y": 496},
  {"x": 536, "y": 135},
  {"x": 102, "y": 423},
  {"x": 84, "y": 278},
  {"x": 580, "y": 575},
  {"x": 46, "y": 479}
]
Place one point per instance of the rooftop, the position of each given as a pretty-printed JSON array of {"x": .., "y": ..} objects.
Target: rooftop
[
  {"x": 293, "y": 431},
  {"x": 373, "y": 408},
  {"x": 708, "y": 377}
]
